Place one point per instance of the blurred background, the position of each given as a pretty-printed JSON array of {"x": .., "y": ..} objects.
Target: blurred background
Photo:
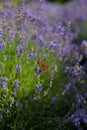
[
  {"x": 57, "y": 11},
  {"x": 59, "y": 1}
]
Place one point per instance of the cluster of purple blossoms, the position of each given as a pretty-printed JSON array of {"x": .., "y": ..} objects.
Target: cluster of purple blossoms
[
  {"x": 3, "y": 82},
  {"x": 31, "y": 54},
  {"x": 11, "y": 35},
  {"x": 19, "y": 104},
  {"x": 16, "y": 85},
  {"x": 18, "y": 69},
  {"x": 2, "y": 45},
  {"x": 7, "y": 5},
  {"x": 76, "y": 75},
  {"x": 52, "y": 45},
  {"x": 19, "y": 50},
  {"x": 38, "y": 88},
  {"x": 22, "y": 41},
  {"x": 1, "y": 32},
  {"x": 79, "y": 117}
]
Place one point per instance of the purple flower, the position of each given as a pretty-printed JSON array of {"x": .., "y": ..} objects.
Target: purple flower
[
  {"x": 45, "y": 56},
  {"x": 84, "y": 43},
  {"x": 53, "y": 99},
  {"x": 18, "y": 68},
  {"x": 67, "y": 69},
  {"x": 19, "y": 104},
  {"x": 3, "y": 82},
  {"x": 31, "y": 17},
  {"x": 7, "y": 4},
  {"x": 38, "y": 88},
  {"x": 84, "y": 119},
  {"x": 40, "y": 39},
  {"x": 2, "y": 44},
  {"x": 4, "y": 13},
  {"x": 11, "y": 14},
  {"x": 36, "y": 72},
  {"x": 16, "y": 84},
  {"x": 1, "y": 116},
  {"x": 22, "y": 37},
  {"x": 11, "y": 37},
  {"x": 19, "y": 50},
  {"x": 77, "y": 121},
  {"x": 59, "y": 50},
  {"x": 1, "y": 33},
  {"x": 67, "y": 88},
  {"x": 22, "y": 41},
  {"x": 74, "y": 73},
  {"x": 31, "y": 55},
  {"x": 80, "y": 98},
  {"x": 60, "y": 30},
  {"x": 52, "y": 45},
  {"x": 4, "y": 78}
]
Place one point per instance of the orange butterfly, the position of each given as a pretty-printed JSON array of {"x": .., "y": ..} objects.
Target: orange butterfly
[{"x": 42, "y": 67}]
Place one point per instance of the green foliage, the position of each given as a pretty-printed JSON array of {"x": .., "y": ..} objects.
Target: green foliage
[{"x": 41, "y": 113}]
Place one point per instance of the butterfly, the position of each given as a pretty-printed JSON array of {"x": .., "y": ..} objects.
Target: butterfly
[{"x": 41, "y": 67}]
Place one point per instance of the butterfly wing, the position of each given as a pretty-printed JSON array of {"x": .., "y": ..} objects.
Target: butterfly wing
[
  {"x": 41, "y": 62},
  {"x": 45, "y": 68},
  {"x": 42, "y": 66}
]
